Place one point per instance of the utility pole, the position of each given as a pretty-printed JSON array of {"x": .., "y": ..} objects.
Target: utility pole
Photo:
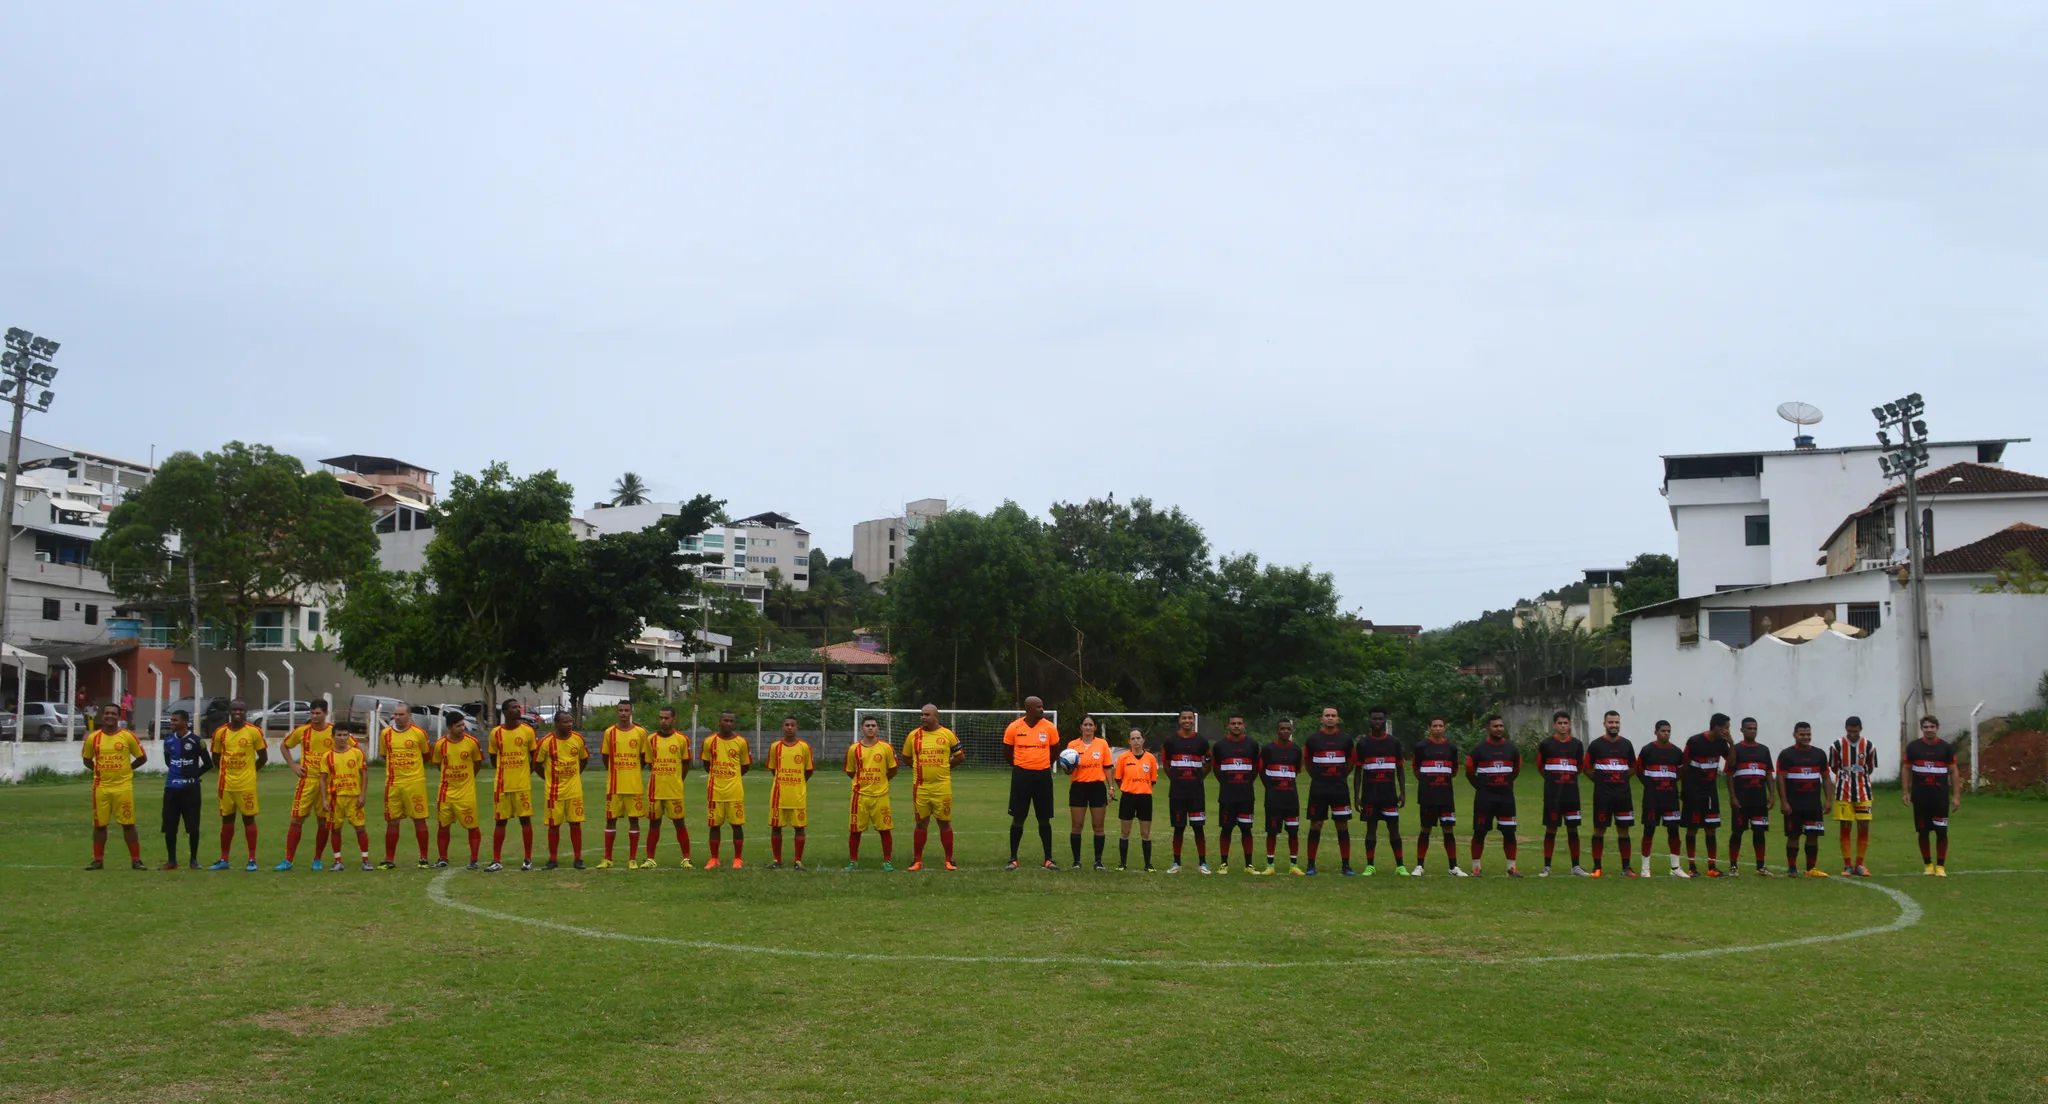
[
  {"x": 1904, "y": 461},
  {"x": 25, "y": 363}
]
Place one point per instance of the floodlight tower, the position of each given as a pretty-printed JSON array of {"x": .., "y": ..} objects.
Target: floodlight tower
[
  {"x": 24, "y": 365},
  {"x": 1904, "y": 461}
]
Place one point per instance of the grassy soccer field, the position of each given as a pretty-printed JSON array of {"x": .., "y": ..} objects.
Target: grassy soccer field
[{"x": 992, "y": 986}]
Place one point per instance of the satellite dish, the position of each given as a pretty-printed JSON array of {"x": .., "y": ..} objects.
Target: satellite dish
[{"x": 1799, "y": 413}]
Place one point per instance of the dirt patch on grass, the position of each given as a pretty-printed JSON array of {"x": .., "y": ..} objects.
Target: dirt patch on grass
[
  {"x": 2018, "y": 761},
  {"x": 339, "y": 1019}
]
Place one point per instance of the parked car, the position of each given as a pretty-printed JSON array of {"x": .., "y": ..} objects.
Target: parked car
[
  {"x": 47, "y": 721},
  {"x": 364, "y": 709},
  {"x": 7, "y": 726},
  {"x": 286, "y": 715},
  {"x": 211, "y": 714},
  {"x": 436, "y": 718},
  {"x": 543, "y": 716}
]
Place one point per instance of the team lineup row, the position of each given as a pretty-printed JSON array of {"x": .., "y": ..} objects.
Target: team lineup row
[{"x": 1366, "y": 776}]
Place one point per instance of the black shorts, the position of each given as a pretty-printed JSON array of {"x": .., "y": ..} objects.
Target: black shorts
[
  {"x": 1752, "y": 814},
  {"x": 1234, "y": 810},
  {"x": 1493, "y": 807},
  {"x": 1560, "y": 806},
  {"x": 1183, "y": 810},
  {"x": 1379, "y": 801},
  {"x": 1087, "y": 795},
  {"x": 181, "y": 804},
  {"x": 1030, "y": 790},
  {"x": 1701, "y": 809},
  {"x": 1812, "y": 822},
  {"x": 1660, "y": 807},
  {"x": 1437, "y": 814},
  {"x": 1130, "y": 806},
  {"x": 1613, "y": 807},
  {"x": 1283, "y": 810},
  {"x": 1930, "y": 813},
  {"x": 1332, "y": 802}
]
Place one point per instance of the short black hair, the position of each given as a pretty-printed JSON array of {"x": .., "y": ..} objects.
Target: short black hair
[
  {"x": 790, "y": 717},
  {"x": 728, "y": 713},
  {"x": 1717, "y": 720},
  {"x": 1936, "y": 722},
  {"x": 1233, "y": 717},
  {"x": 1797, "y": 725},
  {"x": 1610, "y": 713},
  {"x": 181, "y": 713},
  {"x": 1435, "y": 717},
  {"x": 1660, "y": 724},
  {"x": 1490, "y": 718},
  {"x": 1379, "y": 709},
  {"x": 1856, "y": 721},
  {"x": 1560, "y": 715},
  {"x": 1749, "y": 720},
  {"x": 510, "y": 703}
]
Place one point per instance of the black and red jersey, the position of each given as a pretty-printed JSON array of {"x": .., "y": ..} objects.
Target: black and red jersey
[
  {"x": 1280, "y": 767},
  {"x": 1705, "y": 755},
  {"x": 1237, "y": 767},
  {"x": 1187, "y": 759},
  {"x": 1379, "y": 759},
  {"x": 1805, "y": 773},
  {"x": 1329, "y": 758},
  {"x": 1560, "y": 761},
  {"x": 1659, "y": 766},
  {"x": 1493, "y": 765},
  {"x": 1436, "y": 765},
  {"x": 1611, "y": 762},
  {"x": 1752, "y": 774},
  {"x": 1931, "y": 766}
]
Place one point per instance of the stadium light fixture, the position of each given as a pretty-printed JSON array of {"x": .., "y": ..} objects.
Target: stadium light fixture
[
  {"x": 1903, "y": 460},
  {"x": 25, "y": 361}
]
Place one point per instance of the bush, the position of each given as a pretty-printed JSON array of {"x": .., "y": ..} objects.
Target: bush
[{"x": 44, "y": 776}]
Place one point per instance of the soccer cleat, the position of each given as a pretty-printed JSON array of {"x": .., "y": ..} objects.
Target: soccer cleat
[
  {"x": 1713, "y": 872},
  {"x": 221, "y": 865},
  {"x": 1266, "y": 873},
  {"x": 1580, "y": 871},
  {"x": 887, "y": 868},
  {"x": 776, "y": 865},
  {"x": 711, "y": 864},
  {"x": 1731, "y": 872},
  {"x": 1099, "y": 866},
  {"x": 1631, "y": 872},
  {"x": 1223, "y": 868},
  {"x": 801, "y": 868},
  {"x": 316, "y": 865},
  {"x": 1311, "y": 871},
  {"x": 1543, "y": 873},
  {"x": 1862, "y": 871},
  {"x": 367, "y": 866},
  {"x": 472, "y": 865},
  {"x": 171, "y": 865},
  {"x": 283, "y": 866},
  {"x": 1051, "y": 865},
  {"x": 1927, "y": 871},
  {"x": 1816, "y": 872},
  {"x": 738, "y": 863},
  {"x": 1848, "y": 872},
  {"x": 1402, "y": 871},
  {"x": 192, "y": 864},
  {"x": 1681, "y": 874},
  {"x": 551, "y": 864},
  {"x": 604, "y": 864},
  {"x": 577, "y": 865},
  {"x": 1369, "y": 870},
  {"x": 1148, "y": 868},
  {"x": 1120, "y": 868},
  {"x": 423, "y": 864},
  {"x": 440, "y": 864},
  {"x": 1350, "y": 873},
  {"x": 1011, "y": 865},
  {"x": 1940, "y": 870},
  {"x": 1459, "y": 872},
  {"x": 1204, "y": 868},
  {"x": 1593, "y": 873},
  {"x": 137, "y": 864},
  {"x": 686, "y": 864},
  {"x": 251, "y": 866},
  {"x": 1418, "y": 871},
  {"x": 1298, "y": 872},
  {"x": 338, "y": 867},
  {"x": 96, "y": 864},
  {"x": 1077, "y": 864},
  {"x": 1475, "y": 868},
  {"x": 1513, "y": 873},
  {"x": 1764, "y": 872},
  {"x": 949, "y": 865},
  {"x": 851, "y": 867},
  {"x": 1174, "y": 869},
  {"x": 496, "y": 867}
]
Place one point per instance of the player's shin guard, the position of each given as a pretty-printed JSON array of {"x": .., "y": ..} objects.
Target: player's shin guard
[
  {"x": 1344, "y": 843},
  {"x": 1549, "y": 844},
  {"x": 799, "y": 845},
  {"x": 1372, "y": 839},
  {"x": 1507, "y": 845},
  {"x": 1626, "y": 849},
  {"x": 1941, "y": 846},
  {"x": 775, "y": 844},
  {"x": 1315, "y": 840},
  {"x": 1146, "y": 847},
  {"x": 1179, "y": 833},
  {"x": 441, "y": 842},
  {"x": 291, "y": 841},
  {"x": 1599, "y": 849},
  {"x": 1713, "y": 847},
  {"x": 1123, "y": 851},
  {"x": 1394, "y": 838},
  {"x": 1756, "y": 839},
  {"x": 739, "y": 842},
  {"x": 888, "y": 844},
  {"x": 714, "y": 843},
  {"x": 917, "y": 838},
  {"x": 1045, "y": 838},
  {"x": 1571, "y": 839},
  {"x": 945, "y": 838},
  {"x": 1016, "y": 838},
  {"x": 1812, "y": 852},
  {"x": 1272, "y": 845},
  {"x": 362, "y": 843},
  {"x": 632, "y": 843},
  {"x": 498, "y": 842},
  {"x": 1422, "y": 847},
  {"x": 227, "y": 836},
  {"x": 853, "y": 847},
  {"x": 390, "y": 841},
  {"x": 1102, "y": 840},
  {"x": 1201, "y": 843},
  {"x": 653, "y": 837},
  {"x": 1926, "y": 851},
  {"x": 419, "y": 835},
  {"x": 249, "y": 837},
  {"x": 554, "y": 843},
  {"x": 576, "y": 839},
  {"x": 611, "y": 836},
  {"x": 683, "y": 838},
  {"x": 1074, "y": 841},
  {"x": 476, "y": 843}
]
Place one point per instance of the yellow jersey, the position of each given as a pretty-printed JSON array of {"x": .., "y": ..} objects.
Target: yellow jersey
[
  {"x": 513, "y": 748},
  {"x": 623, "y": 748},
  {"x": 458, "y": 758},
  {"x": 723, "y": 757},
  {"x": 234, "y": 752},
  {"x": 667, "y": 754},
  {"x": 791, "y": 763},
  {"x": 313, "y": 744},
  {"x": 563, "y": 757},
  {"x": 871, "y": 765},
  {"x": 112, "y": 757},
  {"x": 931, "y": 757},
  {"x": 405, "y": 756},
  {"x": 344, "y": 769}
]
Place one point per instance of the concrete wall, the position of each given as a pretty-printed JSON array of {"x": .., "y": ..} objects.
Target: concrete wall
[{"x": 1711, "y": 552}]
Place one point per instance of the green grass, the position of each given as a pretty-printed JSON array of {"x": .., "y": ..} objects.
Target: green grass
[{"x": 358, "y": 987}]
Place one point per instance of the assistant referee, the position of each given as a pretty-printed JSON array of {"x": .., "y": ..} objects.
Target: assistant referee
[{"x": 1028, "y": 743}]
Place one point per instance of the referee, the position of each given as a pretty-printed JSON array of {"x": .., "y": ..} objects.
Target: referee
[{"x": 1029, "y": 744}]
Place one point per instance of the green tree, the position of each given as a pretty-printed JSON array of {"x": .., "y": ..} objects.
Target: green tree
[
  {"x": 963, "y": 594},
  {"x": 2017, "y": 573},
  {"x": 1652, "y": 578},
  {"x": 601, "y": 594},
  {"x": 254, "y": 530},
  {"x": 629, "y": 490}
]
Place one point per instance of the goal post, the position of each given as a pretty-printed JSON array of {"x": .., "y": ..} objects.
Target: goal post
[{"x": 980, "y": 730}]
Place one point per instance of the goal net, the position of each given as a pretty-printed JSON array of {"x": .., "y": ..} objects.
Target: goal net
[{"x": 980, "y": 730}]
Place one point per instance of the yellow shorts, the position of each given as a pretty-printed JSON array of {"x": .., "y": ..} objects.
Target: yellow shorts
[
  {"x": 728, "y": 812},
  {"x": 932, "y": 803},
  {"x": 670, "y": 807},
  {"x": 457, "y": 806},
  {"x": 625, "y": 805},
  {"x": 348, "y": 809},
  {"x": 515, "y": 802},
  {"x": 872, "y": 812},
  {"x": 1852, "y": 810},
  {"x": 566, "y": 810},
  {"x": 113, "y": 804},
  {"x": 796, "y": 817},
  {"x": 306, "y": 796},
  {"x": 241, "y": 801},
  {"x": 405, "y": 799}
]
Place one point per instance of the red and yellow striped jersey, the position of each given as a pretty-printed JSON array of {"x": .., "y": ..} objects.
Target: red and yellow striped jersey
[
  {"x": 313, "y": 744},
  {"x": 623, "y": 748},
  {"x": 563, "y": 758},
  {"x": 791, "y": 762},
  {"x": 931, "y": 757},
  {"x": 870, "y": 764},
  {"x": 723, "y": 757},
  {"x": 458, "y": 757},
  {"x": 667, "y": 754},
  {"x": 344, "y": 768},
  {"x": 112, "y": 755},
  {"x": 513, "y": 748},
  {"x": 405, "y": 755},
  {"x": 234, "y": 752}
]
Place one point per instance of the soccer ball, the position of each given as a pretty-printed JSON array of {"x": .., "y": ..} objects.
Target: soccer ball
[{"x": 1069, "y": 759}]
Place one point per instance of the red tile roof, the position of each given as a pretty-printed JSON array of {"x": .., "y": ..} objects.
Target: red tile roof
[
  {"x": 1956, "y": 479},
  {"x": 1987, "y": 555}
]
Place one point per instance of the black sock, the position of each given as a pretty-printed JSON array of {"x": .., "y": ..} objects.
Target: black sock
[
  {"x": 1100, "y": 840},
  {"x": 1045, "y": 838},
  {"x": 1016, "y": 837},
  {"x": 1123, "y": 851},
  {"x": 1147, "y": 847},
  {"x": 1074, "y": 838}
]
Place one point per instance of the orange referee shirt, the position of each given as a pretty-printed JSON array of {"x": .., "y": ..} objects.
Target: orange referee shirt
[
  {"x": 1135, "y": 773},
  {"x": 1095, "y": 759},
  {"x": 1032, "y": 744}
]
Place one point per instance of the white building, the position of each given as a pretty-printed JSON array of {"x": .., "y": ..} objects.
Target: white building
[
  {"x": 749, "y": 549},
  {"x": 1960, "y": 504},
  {"x": 1748, "y": 519},
  {"x": 61, "y": 501},
  {"x": 879, "y": 545},
  {"x": 400, "y": 496}
]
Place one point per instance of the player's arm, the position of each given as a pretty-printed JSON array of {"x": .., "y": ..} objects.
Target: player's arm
[
  {"x": 683, "y": 767},
  {"x": 1400, "y": 781},
  {"x": 262, "y": 752},
  {"x": 851, "y": 750},
  {"x": 140, "y": 757},
  {"x": 1471, "y": 769},
  {"x": 296, "y": 762},
  {"x": 959, "y": 754}
]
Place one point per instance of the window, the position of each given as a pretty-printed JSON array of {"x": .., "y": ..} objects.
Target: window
[
  {"x": 714, "y": 540},
  {"x": 802, "y": 544},
  {"x": 53, "y": 610},
  {"x": 739, "y": 542},
  {"x": 1730, "y": 627},
  {"x": 388, "y": 523},
  {"x": 1874, "y": 536},
  {"x": 92, "y": 615},
  {"x": 1927, "y": 531},
  {"x": 405, "y": 521},
  {"x": 800, "y": 577},
  {"x": 763, "y": 559},
  {"x": 892, "y": 551},
  {"x": 739, "y": 559},
  {"x": 312, "y": 620},
  {"x": 267, "y": 629},
  {"x": 892, "y": 532},
  {"x": 1756, "y": 529},
  {"x": 1865, "y": 616}
]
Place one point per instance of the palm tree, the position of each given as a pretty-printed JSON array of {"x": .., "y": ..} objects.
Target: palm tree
[{"x": 630, "y": 490}]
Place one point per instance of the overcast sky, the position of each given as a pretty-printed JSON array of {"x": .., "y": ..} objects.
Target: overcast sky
[{"x": 1413, "y": 297}]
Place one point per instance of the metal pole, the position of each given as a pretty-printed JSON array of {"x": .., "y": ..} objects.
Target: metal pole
[
  {"x": 234, "y": 685},
  {"x": 760, "y": 643},
  {"x": 1976, "y": 775},
  {"x": 1914, "y": 541},
  {"x": 199, "y": 702},
  {"x": 156, "y": 703},
  {"x": 71, "y": 706},
  {"x": 120, "y": 682},
  {"x": 20, "y": 707},
  {"x": 291, "y": 694},
  {"x": 13, "y": 466},
  {"x": 264, "y": 678}
]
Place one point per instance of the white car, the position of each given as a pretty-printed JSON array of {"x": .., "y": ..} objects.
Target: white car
[{"x": 285, "y": 715}]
